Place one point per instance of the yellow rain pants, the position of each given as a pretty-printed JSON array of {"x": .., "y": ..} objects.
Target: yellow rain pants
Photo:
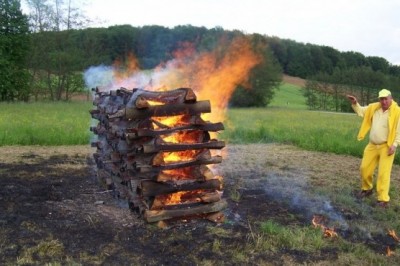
[{"x": 377, "y": 155}]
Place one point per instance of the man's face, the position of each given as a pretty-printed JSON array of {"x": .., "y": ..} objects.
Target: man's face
[{"x": 385, "y": 102}]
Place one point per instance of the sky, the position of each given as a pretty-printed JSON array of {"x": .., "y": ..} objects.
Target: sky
[{"x": 371, "y": 27}]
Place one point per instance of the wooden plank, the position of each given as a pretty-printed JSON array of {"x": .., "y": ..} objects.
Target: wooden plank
[{"x": 159, "y": 215}]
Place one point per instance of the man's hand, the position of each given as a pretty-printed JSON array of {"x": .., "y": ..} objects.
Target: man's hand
[
  {"x": 352, "y": 99},
  {"x": 392, "y": 150}
]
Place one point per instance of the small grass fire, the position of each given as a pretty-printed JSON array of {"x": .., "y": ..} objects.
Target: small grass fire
[
  {"x": 317, "y": 222},
  {"x": 155, "y": 149}
]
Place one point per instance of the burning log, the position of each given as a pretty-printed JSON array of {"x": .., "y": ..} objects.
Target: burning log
[
  {"x": 198, "y": 173},
  {"x": 154, "y": 148},
  {"x": 162, "y": 110},
  {"x": 187, "y": 199},
  {"x": 146, "y": 98},
  {"x": 153, "y": 188},
  {"x": 158, "y": 215},
  {"x": 137, "y": 133}
]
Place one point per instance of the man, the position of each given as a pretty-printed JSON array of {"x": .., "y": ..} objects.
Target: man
[{"x": 381, "y": 119}]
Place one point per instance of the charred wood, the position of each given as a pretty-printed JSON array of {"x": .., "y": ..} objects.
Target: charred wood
[
  {"x": 149, "y": 188},
  {"x": 158, "y": 215},
  {"x": 161, "y": 110}
]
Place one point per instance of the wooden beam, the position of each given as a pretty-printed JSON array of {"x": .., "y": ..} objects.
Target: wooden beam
[
  {"x": 159, "y": 215},
  {"x": 163, "y": 110},
  {"x": 149, "y": 188}
]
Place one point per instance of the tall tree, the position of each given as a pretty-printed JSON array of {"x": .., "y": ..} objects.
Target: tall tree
[
  {"x": 55, "y": 58},
  {"x": 40, "y": 15},
  {"x": 14, "y": 48}
]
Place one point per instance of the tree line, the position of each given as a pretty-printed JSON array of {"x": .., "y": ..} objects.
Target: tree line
[
  {"x": 43, "y": 56},
  {"x": 331, "y": 74}
]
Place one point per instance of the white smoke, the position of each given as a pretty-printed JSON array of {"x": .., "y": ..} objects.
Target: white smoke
[
  {"x": 99, "y": 76},
  {"x": 106, "y": 78},
  {"x": 293, "y": 191}
]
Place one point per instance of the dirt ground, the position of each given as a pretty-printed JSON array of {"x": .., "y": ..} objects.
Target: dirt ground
[
  {"x": 293, "y": 80},
  {"x": 54, "y": 210}
]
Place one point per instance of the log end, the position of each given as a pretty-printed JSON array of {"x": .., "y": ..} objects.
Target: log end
[{"x": 190, "y": 96}]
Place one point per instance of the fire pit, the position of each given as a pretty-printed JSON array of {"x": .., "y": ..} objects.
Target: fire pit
[{"x": 155, "y": 150}]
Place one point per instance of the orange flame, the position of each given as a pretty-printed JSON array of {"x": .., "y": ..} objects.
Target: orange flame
[
  {"x": 153, "y": 103},
  {"x": 174, "y": 198},
  {"x": 170, "y": 121},
  {"x": 126, "y": 69},
  {"x": 389, "y": 252},
  {"x": 215, "y": 75},
  {"x": 392, "y": 233},
  {"x": 212, "y": 75},
  {"x": 328, "y": 232},
  {"x": 180, "y": 197},
  {"x": 178, "y": 137},
  {"x": 179, "y": 174},
  {"x": 184, "y": 137},
  {"x": 179, "y": 156}
]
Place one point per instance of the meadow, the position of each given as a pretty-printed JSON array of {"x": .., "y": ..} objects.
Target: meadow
[
  {"x": 45, "y": 123},
  {"x": 286, "y": 120},
  {"x": 305, "y": 154},
  {"x": 310, "y": 130}
]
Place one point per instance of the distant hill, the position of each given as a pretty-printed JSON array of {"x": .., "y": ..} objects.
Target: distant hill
[
  {"x": 294, "y": 80},
  {"x": 289, "y": 94}
]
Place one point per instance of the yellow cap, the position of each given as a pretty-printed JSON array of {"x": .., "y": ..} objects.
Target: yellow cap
[{"x": 384, "y": 93}]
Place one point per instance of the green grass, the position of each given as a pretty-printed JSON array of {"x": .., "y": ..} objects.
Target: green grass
[
  {"x": 45, "y": 123},
  {"x": 288, "y": 96},
  {"x": 307, "y": 238},
  {"x": 274, "y": 236},
  {"x": 287, "y": 120},
  {"x": 310, "y": 130}
]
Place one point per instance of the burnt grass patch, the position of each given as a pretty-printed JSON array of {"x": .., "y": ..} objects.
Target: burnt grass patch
[{"x": 55, "y": 211}]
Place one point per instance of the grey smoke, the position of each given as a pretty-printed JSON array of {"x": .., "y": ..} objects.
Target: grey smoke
[
  {"x": 98, "y": 76},
  {"x": 105, "y": 78},
  {"x": 293, "y": 191}
]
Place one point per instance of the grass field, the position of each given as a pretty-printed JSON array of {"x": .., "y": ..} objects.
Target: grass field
[
  {"x": 288, "y": 96},
  {"x": 286, "y": 120},
  {"x": 319, "y": 131},
  {"x": 45, "y": 123},
  {"x": 312, "y": 176}
]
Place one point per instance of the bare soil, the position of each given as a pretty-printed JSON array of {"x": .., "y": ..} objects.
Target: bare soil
[
  {"x": 54, "y": 210},
  {"x": 294, "y": 80}
]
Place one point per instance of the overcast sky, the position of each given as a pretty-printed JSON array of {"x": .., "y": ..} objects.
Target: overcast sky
[{"x": 371, "y": 27}]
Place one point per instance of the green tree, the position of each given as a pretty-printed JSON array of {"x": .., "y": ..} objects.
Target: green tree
[
  {"x": 354, "y": 59},
  {"x": 122, "y": 41},
  {"x": 378, "y": 64},
  {"x": 264, "y": 78},
  {"x": 14, "y": 48},
  {"x": 297, "y": 56},
  {"x": 40, "y": 16},
  {"x": 56, "y": 56}
]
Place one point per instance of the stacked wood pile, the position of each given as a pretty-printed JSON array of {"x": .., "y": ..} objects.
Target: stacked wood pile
[{"x": 159, "y": 166}]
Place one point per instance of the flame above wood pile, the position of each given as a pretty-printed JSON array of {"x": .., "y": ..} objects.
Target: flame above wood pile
[{"x": 155, "y": 148}]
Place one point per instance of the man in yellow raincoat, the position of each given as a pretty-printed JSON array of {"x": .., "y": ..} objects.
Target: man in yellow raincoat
[{"x": 381, "y": 120}]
